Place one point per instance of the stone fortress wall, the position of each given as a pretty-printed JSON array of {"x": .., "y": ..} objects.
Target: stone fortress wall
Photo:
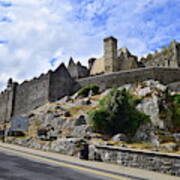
[
  {"x": 118, "y": 67},
  {"x": 31, "y": 94},
  {"x": 6, "y": 99},
  {"x": 19, "y": 99},
  {"x": 105, "y": 81}
]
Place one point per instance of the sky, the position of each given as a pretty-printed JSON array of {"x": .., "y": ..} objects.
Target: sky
[{"x": 38, "y": 35}]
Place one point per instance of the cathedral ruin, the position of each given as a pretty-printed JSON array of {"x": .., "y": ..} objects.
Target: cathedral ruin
[{"x": 115, "y": 67}]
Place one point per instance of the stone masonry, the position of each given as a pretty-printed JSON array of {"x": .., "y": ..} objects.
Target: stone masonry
[
  {"x": 154, "y": 161},
  {"x": 116, "y": 67}
]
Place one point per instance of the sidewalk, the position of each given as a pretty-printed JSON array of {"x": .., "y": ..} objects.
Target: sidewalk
[{"x": 140, "y": 173}]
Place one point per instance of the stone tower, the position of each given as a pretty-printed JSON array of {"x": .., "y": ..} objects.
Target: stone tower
[
  {"x": 176, "y": 53},
  {"x": 110, "y": 54}
]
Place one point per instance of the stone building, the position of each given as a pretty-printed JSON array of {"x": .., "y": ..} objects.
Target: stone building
[
  {"x": 113, "y": 60},
  {"x": 167, "y": 57},
  {"x": 76, "y": 70}
]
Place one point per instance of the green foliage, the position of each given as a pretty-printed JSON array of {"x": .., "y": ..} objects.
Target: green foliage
[
  {"x": 149, "y": 56},
  {"x": 117, "y": 113},
  {"x": 176, "y": 111},
  {"x": 83, "y": 92},
  {"x": 170, "y": 111},
  {"x": 176, "y": 98}
]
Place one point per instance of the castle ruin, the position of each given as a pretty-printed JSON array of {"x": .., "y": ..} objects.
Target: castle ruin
[
  {"x": 115, "y": 67},
  {"x": 113, "y": 60}
]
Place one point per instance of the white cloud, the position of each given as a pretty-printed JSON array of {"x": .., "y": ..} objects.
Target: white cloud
[{"x": 45, "y": 29}]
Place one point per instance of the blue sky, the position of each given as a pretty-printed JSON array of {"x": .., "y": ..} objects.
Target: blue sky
[{"x": 36, "y": 35}]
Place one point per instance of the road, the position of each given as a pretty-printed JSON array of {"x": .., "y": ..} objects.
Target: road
[
  {"x": 19, "y": 163},
  {"x": 18, "y": 168}
]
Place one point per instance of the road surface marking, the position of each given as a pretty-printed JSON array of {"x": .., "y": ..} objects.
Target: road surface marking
[{"x": 65, "y": 164}]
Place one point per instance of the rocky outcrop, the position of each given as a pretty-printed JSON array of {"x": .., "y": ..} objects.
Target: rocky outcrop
[{"x": 119, "y": 137}]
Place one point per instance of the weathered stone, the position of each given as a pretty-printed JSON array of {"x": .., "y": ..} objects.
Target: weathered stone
[
  {"x": 77, "y": 70},
  {"x": 177, "y": 137},
  {"x": 144, "y": 133},
  {"x": 86, "y": 101},
  {"x": 171, "y": 147},
  {"x": 155, "y": 142},
  {"x": 80, "y": 131},
  {"x": 160, "y": 162},
  {"x": 119, "y": 137},
  {"x": 65, "y": 99},
  {"x": 150, "y": 107}
]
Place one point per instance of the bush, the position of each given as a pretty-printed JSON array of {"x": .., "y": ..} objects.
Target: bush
[
  {"x": 170, "y": 111},
  {"x": 83, "y": 92},
  {"x": 117, "y": 113},
  {"x": 176, "y": 111}
]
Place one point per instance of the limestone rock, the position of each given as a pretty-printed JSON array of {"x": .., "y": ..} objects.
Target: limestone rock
[
  {"x": 170, "y": 147},
  {"x": 177, "y": 137},
  {"x": 126, "y": 86},
  {"x": 69, "y": 146},
  {"x": 86, "y": 101},
  {"x": 155, "y": 142},
  {"x": 175, "y": 87},
  {"x": 119, "y": 137},
  {"x": 150, "y": 107},
  {"x": 75, "y": 96},
  {"x": 145, "y": 91},
  {"x": 65, "y": 99},
  {"x": 80, "y": 131},
  {"x": 144, "y": 133}
]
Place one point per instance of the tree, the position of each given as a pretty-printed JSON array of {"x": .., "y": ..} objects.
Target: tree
[{"x": 117, "y": 113}]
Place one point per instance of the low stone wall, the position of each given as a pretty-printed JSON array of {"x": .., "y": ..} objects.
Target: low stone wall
[{"x": 155, "y": 161}]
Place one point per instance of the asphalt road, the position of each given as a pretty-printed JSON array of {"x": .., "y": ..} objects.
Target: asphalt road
[{"x": 13, "y": 167}]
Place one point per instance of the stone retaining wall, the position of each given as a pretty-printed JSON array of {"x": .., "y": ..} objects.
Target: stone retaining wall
[{"x": 150, "y": 160}]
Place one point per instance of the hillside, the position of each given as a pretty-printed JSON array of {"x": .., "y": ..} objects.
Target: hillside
[{"x": 68, "y": 127}]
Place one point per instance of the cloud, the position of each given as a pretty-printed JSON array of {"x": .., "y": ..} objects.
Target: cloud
[{"x": 36, "y": 35}]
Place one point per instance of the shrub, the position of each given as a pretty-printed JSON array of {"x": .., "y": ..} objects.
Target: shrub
[
  {"x": 117, "y": 113},
  {"x": 176, "y": 111},
  {"x": 170, "y": 111},
  {"x": 83, "y": 92}
]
